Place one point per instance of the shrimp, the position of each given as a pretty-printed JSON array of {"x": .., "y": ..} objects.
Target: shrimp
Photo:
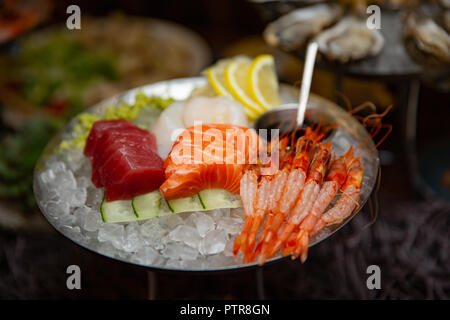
[
  {"x": 316, "y": 174},
  {"x": 263, "y": 196},
  {"x": 333, "y": 182},
  {"x": 248, "y": 191},
  {"x": 348, "y": 200},
  {"x": 287, "y": 189}
]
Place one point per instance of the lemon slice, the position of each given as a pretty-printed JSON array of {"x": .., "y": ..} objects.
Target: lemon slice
[
  {"x": 236, "y": 79},
  {"x": 216, "y": 77},
  {"x": 263, "y": 82}
]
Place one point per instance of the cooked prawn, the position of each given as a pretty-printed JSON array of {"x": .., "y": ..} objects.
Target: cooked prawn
[
  {"x": 316, "y": 174},
  {"x": 293, "y": 184},
  {"x": 333, "y": 182}
]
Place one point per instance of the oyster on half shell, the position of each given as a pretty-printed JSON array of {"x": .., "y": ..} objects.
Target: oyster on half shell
[
  {"x": 428, "y": 37},
  {"x": 292, "y": 30},
  {"x": 349, "y": 40}
]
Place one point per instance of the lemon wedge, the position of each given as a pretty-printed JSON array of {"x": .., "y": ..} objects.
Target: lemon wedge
[
  {"x": 236, "y": 79},
  {"x": 263, "y": 82}
]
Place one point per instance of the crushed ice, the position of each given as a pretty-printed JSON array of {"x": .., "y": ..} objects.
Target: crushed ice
[{"x": 191, "y": 240}]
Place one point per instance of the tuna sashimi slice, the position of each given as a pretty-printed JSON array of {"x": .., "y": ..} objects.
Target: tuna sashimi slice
[
  {"x": 136, "y": 182},
  {"x": 97, "y": 131},
  {"x": 124, "y": 159},
  {"x": 128, "y": 175},
  {"x": 137, "y": 143}
]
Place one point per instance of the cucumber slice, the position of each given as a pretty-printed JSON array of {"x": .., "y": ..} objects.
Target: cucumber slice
[
  {"x": 219, "y": 198},
  {"x": 147, "y": 205},
  {"x": 117, "y": 211},
  {"x": 150, "y": 205},
  {"x": 185, "y": 204}
]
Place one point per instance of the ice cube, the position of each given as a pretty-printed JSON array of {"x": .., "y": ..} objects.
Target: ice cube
[
  {"x": 148, "y": 256},
  {"x": 214, "y": 242},
  {"x": 67, "y": 220},
  {"x": 57, "y": 208},
  {"x": 204, "y": 223},
  {"x": 92, "y": 221},
  {"x": 198, "y": 264},
  {"x": 170, "y": 221},
  {"x": 73, "y": 158},
  {"x": 230, "y": 225},
  {"x": 73, "y": 233},
  {"x": 77, "y": 197},
  {"x": 94, "y": 197},
  {"x": 237, "y": 213},
  {"x": 153, "y": 233},
  {"x": 186, "y": 234},
  {"x": 219, "y": 260},
  {"x": 83, "y": 182},
  {"x": 46, "y": 178},
  {"x": 228, "y": 251},
  {"x": 218, "y": 214},
  {"x": 64, "y": 180},
  {"x": 58, "y": 166},
  {"x": 180, "y": 251},
  {"x": 174, "y": 264},
  {"x": 111, "y": 232},
  {"x": 132, "y": 241}
]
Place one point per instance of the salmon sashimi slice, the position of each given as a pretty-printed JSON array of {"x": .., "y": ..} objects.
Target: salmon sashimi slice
[{"x": 209, "y": 156}]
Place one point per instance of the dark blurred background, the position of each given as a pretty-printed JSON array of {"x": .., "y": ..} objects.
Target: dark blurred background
[{"x": 405, "y": 230}]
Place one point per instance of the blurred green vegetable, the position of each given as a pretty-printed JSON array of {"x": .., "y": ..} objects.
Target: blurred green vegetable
[{"x": 19, "y": 153}]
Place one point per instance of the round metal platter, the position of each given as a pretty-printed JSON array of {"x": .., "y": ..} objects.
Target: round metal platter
[{"x": 349, "y": 132}]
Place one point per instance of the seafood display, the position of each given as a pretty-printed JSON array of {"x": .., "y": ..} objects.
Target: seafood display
[
  {"x": 350, "y": 40},
  {"x": 292, "y": 31},
  {"x": 189, "y": 184}
]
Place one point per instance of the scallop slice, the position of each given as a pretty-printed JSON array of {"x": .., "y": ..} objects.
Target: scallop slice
[
  {"x": 168, "y": 127},
  {"x": 219, "y": 110}
]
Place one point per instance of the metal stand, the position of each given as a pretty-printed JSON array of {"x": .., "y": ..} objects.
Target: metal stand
[
  {"x": 152, "y": 280},
  {"x": 260, "y": 293}
]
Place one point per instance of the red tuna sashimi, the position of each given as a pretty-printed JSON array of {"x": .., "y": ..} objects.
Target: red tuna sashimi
[
  {"x": 103, "y": 169},
  {"x": 111, "y": 141},
  {"x": 124, "y": 159},
  {"x": 132, "y": 175},
  {"x": 97, "y": 131}
]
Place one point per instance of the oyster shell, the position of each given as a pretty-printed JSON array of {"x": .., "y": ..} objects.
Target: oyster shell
[
  {"x": 350, "y": 40},
  {"x": 428, "y": 37},
  {"x": 292, "y": 30}
]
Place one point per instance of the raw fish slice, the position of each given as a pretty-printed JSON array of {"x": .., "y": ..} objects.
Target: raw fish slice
[
  {"x": 123, "y": 160},
  {"x": 136, "y": 182},
  {"x": 136, "y": 147},
  {"x": 109, "y": 146},
  {"x": 97, "y": 131},
  {"x": 219, "y": 167}
]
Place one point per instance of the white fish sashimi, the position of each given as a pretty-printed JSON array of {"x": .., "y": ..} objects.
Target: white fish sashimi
[
  {"x": 219, "y": 110},
  {"x": 168, "y": 127}
]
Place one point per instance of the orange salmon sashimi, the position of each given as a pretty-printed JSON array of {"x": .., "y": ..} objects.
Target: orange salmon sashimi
[{"x": 209, "y": 156}]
